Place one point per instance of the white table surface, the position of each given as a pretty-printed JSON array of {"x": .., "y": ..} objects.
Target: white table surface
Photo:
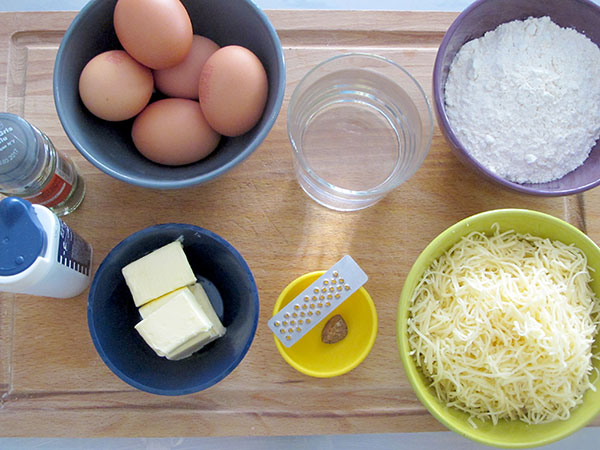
[{"x": 587, "y": 438}]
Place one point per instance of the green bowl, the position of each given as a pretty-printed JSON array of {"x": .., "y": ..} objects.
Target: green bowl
[{"x": 507, "y": 434}]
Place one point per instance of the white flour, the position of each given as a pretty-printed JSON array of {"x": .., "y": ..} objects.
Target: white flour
[{"x": 524, "y": 99}]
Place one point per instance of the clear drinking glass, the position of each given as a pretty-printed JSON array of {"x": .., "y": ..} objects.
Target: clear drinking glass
[{"x": 359, "y": 126}]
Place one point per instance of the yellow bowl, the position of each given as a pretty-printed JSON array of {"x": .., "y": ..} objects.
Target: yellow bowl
[
  {"x": 313, "y": 357},
  {"x": 507, "y": 433}
]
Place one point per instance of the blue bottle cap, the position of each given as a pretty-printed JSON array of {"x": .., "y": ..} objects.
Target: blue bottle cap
[{"x": 22, "y": 236}]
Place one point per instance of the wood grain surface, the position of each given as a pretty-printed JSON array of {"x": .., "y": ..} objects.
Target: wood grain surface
[{"x": 53, "y": 383}]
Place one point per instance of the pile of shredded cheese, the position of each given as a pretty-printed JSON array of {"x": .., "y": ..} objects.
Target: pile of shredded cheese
[{"x": 503, "y": 327}]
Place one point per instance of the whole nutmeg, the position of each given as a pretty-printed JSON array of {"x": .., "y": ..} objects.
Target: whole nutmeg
[{"x": 334, "y": 330}]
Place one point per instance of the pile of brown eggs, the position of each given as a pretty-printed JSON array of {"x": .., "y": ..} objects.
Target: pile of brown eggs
[{"x": 210, "y": 91}]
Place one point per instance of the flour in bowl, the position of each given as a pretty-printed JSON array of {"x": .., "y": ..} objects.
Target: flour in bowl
[{"x": 524, "y": 99}]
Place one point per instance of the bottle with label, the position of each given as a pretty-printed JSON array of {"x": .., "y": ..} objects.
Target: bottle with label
[
  {"x": 39, "y": 253},
  {"x": 32, "y": 168}
]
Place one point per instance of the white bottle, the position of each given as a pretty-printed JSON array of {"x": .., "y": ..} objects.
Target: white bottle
[{"x": 39, "y": 253}]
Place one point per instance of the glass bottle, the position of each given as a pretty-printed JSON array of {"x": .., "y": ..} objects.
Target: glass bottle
[{"x": 32, "y": 168}]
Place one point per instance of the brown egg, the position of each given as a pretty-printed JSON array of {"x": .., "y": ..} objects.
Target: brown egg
[
  {"x": 182, "y": 79},
  {"x": 157, "y": 33},
  {"x": 233, "y": 90},
  {"x": 173, "y": 132},
  {"x": 114, "y": 86}
]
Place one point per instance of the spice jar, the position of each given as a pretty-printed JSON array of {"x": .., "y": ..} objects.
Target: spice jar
[{"x": 32, "y": 168}]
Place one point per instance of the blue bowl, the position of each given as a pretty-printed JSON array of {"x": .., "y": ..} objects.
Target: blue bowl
[
  {"x": 112, "y": 314},
  {"x": 108, "y": 145}
]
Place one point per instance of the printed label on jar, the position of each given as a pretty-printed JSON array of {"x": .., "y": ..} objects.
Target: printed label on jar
[
  {"x": 73, "y": 251},
  {"x": 64, "y": 169},
  {"x": 58, "y": 188},
  {"x": 54, "y": 193}
]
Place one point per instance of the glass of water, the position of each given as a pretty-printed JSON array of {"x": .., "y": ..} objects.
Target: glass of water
[{"x": 359, "y": 126}]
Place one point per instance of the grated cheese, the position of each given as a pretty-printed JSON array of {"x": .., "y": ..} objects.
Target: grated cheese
[{"x": 503, "y": 327}]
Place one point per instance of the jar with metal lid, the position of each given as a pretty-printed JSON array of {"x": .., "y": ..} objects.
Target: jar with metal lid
[{"x": 32, "y": 168}]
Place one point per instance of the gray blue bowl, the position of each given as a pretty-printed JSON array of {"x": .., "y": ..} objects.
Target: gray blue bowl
[
  {"x": 108, "y": 145},
  {"x": 112, "y": 315},
  {"x": 486, "y": 15}
]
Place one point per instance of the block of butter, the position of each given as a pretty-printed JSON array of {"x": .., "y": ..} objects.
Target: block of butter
[
  {"x": 208, "y": 309},
  {"x": 174, "y": 324},
  {"x": 201, "y": 298},
  {"x": 157, "y": 273},
  {"x": 178, "y": 324}
]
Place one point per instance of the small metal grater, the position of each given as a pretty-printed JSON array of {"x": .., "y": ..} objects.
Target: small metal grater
[{"x": 315, "y": 303}]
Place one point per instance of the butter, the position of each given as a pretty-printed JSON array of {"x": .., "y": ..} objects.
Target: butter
[
  {"x": 208, "y": 309},
  {"x": 148, "y": 308},
  {"x": 158, "y": 273},
  {"x": 192, "y": 346},
  {"x": 161, "y": 318},
  {"x": 176, "y": 323}
]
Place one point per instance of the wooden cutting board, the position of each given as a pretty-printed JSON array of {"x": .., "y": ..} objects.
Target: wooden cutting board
[{"x": 53, "y": 383}]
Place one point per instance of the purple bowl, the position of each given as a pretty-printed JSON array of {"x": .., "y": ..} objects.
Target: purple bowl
[{"x": 486, "y": 15}]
